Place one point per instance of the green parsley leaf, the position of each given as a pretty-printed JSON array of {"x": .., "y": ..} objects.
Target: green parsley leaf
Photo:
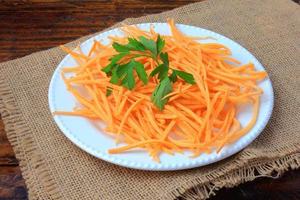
[
  {"x": 114, "y": 77},
  {"x": 120, "y": 48},
  {"x": 128, "y": 80},
  {"x": 161, "y": 90},
  {"x": 118, "y": 57},
  {"x": 140, "y": 70},
  {"x": 149, "y": 45},
  {"x": 135, "y": 45},
  {"x": 160, "y": 43},
  {"x": 114, "y": 80},
  {"x": 121, "y": 70},
  {"x": 113, "y": 62},
  {"x": 127, "y": 76},
  {"x": 187, "y": 77},
  {"x": 163, "y": 73},
  {"x": 109, "y": 68},
  {"x": 173, "y": 77},
  {"x": 108, "y": 92},
  {"x": 165, "y": 58},
  {"x": 161, "y": 70},
  {"x": 157, "y": 70}
]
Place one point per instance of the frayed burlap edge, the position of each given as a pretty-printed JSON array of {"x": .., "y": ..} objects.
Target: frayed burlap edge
[
  {"x": 31, "y": 161},
  {"x": 272, "y": 169}
]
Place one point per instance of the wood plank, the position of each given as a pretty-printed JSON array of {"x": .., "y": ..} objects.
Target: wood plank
[
  {"x": 30, "y": 27},
  {"x": 12, "y": 185},
  {"x": 7, "y": 156},
  {"x": 286, "y": 187}
]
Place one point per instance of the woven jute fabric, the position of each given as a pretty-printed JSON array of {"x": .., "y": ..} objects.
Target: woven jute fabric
[{"x": 54, "y": 168}]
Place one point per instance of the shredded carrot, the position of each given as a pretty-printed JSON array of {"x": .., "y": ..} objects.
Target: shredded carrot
[{"x": 198, "y": 117}]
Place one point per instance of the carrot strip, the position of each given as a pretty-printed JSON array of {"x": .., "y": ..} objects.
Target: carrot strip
[
  {"x": 74, "y": 113},
  {"x": 127, "y": 114},
  {"x": 139, "y": 144}
]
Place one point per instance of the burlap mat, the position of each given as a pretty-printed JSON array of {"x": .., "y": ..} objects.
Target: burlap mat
[{"x": 54, "y": 168}]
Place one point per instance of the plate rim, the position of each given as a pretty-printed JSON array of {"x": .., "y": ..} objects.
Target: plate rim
[{"x": 159, "y": 167}]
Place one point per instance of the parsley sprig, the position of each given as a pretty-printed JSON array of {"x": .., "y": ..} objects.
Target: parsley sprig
[{"x": 121, "y": 71}]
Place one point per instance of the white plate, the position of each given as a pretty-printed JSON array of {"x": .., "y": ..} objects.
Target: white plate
[{"x": 88, "y": 137}]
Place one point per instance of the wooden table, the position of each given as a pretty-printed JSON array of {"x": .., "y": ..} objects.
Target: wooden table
[{"x": 30, "y": 26}]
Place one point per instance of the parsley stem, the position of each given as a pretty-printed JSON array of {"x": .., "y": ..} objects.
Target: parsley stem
[{"x": 145, "y": 55}]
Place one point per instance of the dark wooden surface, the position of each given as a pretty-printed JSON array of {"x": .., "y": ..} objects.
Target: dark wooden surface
[{"x": 30, "y": 26}]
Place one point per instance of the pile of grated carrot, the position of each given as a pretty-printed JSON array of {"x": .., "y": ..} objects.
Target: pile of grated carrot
[{"x": 197, "y": 118}]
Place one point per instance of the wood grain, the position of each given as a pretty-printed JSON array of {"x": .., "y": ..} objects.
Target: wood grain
[
  {"x": 12, "y": 185},
  {"x": 30, "y": 26}
]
